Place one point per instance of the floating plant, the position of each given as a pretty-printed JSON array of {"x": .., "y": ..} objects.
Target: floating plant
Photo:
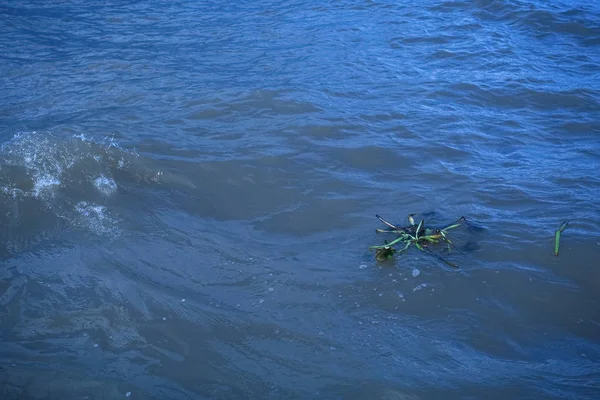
[
  {"x": 557, "y": 234},
  {"x": 414, "y": 234}
]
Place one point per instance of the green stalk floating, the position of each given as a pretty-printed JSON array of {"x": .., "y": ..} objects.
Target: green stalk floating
[
  {"x": 557, "y": 236},
  {"x": 388, "y": 223},
  {"x": 418, "y": 229}
]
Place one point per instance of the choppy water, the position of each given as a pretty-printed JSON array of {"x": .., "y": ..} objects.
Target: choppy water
[{"x": 188, "y": 190}]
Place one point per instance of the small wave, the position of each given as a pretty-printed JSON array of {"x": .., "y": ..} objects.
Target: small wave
[{"x": 49, "y": 182}]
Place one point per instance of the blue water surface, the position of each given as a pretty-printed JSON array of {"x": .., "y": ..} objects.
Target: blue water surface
[{"x": 188, "y": 192}]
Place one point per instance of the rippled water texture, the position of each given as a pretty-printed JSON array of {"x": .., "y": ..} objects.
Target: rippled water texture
[{"x": 188, "y": 192}]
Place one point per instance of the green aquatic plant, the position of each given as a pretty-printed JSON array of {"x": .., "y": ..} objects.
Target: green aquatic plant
[
  {"x": 414, "y": 234},
  {"x": 557, "y": 234}
]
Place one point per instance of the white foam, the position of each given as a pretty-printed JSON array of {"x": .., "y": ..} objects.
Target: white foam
[
  {"x": 105, "y": 185},
  {"x": 44, "y": 184},
  {"x": 11, "y": 191},
  {"x": 420, "y": 287},
  {"x": 88, "y": 210},
  {"x": 96, "y": 217}
]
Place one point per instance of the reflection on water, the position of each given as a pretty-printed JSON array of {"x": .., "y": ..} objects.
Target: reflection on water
[{"x": 188, "y": 192}]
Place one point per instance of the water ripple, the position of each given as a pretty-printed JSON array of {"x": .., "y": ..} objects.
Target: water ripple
[{"x": 187, "y": 191}]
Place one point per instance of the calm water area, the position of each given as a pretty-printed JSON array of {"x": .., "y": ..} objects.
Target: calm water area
[{"x": 188, "y": 192}]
